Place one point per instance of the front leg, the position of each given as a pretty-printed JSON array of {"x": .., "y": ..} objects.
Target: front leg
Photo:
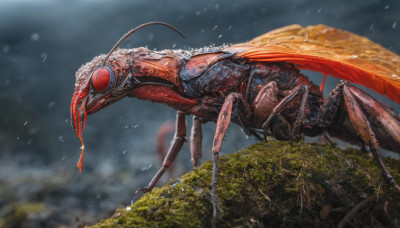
[
  {"x": 196, "y": 140},
  {"x": 175, "y": 147},
  {"x": 224, "y": 118}
]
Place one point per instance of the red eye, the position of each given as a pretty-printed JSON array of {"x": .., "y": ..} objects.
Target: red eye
[{"x": 103, "y": 79}]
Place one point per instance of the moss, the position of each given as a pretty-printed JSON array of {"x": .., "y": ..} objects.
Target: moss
[
  {"x": 274, "y": 184},
  {"x": 16, "y": 215}
]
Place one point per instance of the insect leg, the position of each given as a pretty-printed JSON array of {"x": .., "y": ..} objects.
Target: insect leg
[
  {"x": 224, "y": 118},
  {"x": 379, "y": 113},
  {"x": 283, "y": 104},
  {"x": 195, "y": 140},
  {"x": 363, "y": 128},
  {"x": 161, "y": 146},
  {"x": 330, "y": 106},
  {"x": 175, "y": 147}
]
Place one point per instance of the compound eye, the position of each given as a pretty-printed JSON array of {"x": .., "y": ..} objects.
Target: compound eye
[{"x": 103, "y": 79}]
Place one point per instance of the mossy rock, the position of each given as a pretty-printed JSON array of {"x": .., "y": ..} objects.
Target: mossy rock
[
  {"x": 274, "y": 185},
  {"x": 18, "y": 215}
]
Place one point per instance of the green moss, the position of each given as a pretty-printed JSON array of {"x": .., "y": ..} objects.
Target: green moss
[
  {"x": 15, "y": 215},
  {"x": 274, "y": 184}
]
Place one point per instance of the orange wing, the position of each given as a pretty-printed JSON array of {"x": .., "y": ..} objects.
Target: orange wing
[{"x": 330, "y": 51}]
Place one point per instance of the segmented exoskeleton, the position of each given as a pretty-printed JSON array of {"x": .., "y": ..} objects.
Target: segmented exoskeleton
[{"x": 257, "y": 85}]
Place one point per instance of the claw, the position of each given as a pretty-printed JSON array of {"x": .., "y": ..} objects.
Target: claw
[{"x": 144, "y": 190}]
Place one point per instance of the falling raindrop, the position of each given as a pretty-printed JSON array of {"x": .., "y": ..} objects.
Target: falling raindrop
[
  {"x": 215, "y": 27},
  {"x": 146, "y": 167},
  {"x": 51, "y": 104},
  {"x": 35, "y": 36},
  {"x": 60, "y": 139},
  {"x": 43, "y": 56},
  {"x": 372, "y": 26},
  {"x": 63, "y": 158},
  {"x": 394, "y": 24},
  {"x": 197, "y": 13},
  {"x": 219, "y": 36},
  {"x": 386, "y": 7},
  {"x": 319, "y": 10},
  {"x": 26, "y": 122},
  {"x": 137, "y": 125},
  {"x": 6, "y": 49},
  {"x": 124, "y": 152}
]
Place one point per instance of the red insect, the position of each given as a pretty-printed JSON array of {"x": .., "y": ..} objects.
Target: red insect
[{"x": 256, "y": 85}]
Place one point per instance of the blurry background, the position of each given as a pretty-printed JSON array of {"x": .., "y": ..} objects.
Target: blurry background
[{"x": 43, "y": 43}]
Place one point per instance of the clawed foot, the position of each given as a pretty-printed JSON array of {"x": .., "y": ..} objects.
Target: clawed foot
[{"x": 144, "y": 190}]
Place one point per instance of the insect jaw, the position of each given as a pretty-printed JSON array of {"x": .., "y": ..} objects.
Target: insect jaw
[{"x": 97, "y": 102}]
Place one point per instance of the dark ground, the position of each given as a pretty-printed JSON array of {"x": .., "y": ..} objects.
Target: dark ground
[{"x": 43, "y": 43}]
